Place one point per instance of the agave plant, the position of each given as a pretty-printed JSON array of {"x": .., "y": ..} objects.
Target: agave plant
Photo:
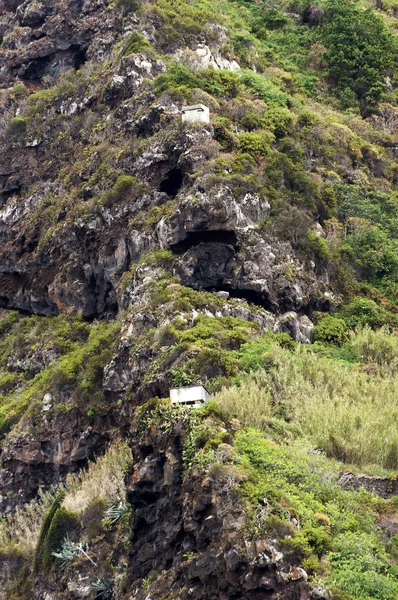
[
  {"x": 103, "y": 589},
  {"x": 117, "y": 513},
  {"x": 69, "y": 551}
]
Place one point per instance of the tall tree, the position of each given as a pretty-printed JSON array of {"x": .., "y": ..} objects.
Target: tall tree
[{"x": 360, "y": 50}]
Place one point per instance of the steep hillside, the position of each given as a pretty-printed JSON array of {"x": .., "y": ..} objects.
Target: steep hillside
[{"x": 256, "y": 253}]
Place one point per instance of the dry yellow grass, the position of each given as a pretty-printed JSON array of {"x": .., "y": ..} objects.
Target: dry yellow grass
[
  {"x": 21, "y": 529},
  {"x": 347, "y": 412},
  {"x": 103, "y": 479}
]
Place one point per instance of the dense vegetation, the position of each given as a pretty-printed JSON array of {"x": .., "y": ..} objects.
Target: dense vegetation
[{"x": 342, "y": 399}]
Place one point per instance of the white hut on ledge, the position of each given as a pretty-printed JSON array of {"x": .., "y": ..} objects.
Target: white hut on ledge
[
  {"x": 194, "y": 396},
  {"x": 197, "y": 113}
]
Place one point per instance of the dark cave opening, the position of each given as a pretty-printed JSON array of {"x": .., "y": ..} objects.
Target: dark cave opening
[
  {"x": 79, "y": 56},
  {"x": 54, "y": 64},
  {"x": 251, "y": 297},
  {"x": 146, "y": 451},
  {"x": 172, "y": 183},
  {"x": 194, "y": 238},
  {"x": 6, "y": 193},
  {"x": 38, "y": 36}
]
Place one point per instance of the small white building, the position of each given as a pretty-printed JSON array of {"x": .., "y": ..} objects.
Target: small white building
[
  {"x": 197, "y": 113},
  {"x": 194, "y": 396}
]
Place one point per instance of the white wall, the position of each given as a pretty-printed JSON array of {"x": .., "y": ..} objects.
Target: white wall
[
  {"x": 186, "y": 395},
  {"x": 198, "y": 113}
]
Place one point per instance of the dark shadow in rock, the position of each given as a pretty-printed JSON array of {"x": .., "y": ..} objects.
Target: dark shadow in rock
[
  {"x": 79, "y": 56},
  {"x": 207, "y": 265},
  {"x": 12, "y": 188},
  {"x": 194, "y": 238},
  {"x": 100, "y": 300},
  {"x": 172, "y": 183},
  {"x": 250, "y": 296},
  {"x": 54, "y": 64},
  {"x": 146, "y": 451}
]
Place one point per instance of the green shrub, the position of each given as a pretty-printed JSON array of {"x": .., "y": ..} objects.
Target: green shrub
[
  {"x": 318, "y": 245},
  {"x": 214, "y": 410},
  {"x": 319, "y": 540},
  {"x": 177, "y": 77},
  {"x": 279, "y": 120},
  {"x": 288, "y": 174},
  {"x": 135, "y": 44},
  {"x": 223, "y": 133},
  {"x": 213, "y": 439},
  {"x": 251, "y": 120},
  {"x": 364, "y": 311},
  {"x": 92, "y": 518},
  {"x": 19, "y": 90},
  {"x": 16, "y": 128},
  {"x": 307, "y": 119},
  {"x": 373, "y": 251},
  {"x": 360, "y": 567},
  {"x": 331, "y": 330},
  {"x": 219, "y": 83},
  {"x": 40, "y": 553},
  {"x": 125, "y": 188},
  {"x": 379, "y": 208},
  {"x": 201, "y": 352},
  {"x": 359, "y": 49},
  {"x": 263, "y": 88},
  {"x": 291, "y": 480},
  {"x": 274, "y": 18},
  {"x": 278, "y": 528},
  {"x": 253, "y": 355},
  {"x": 63, "y": 524},
  {"x": 180, "y": 22},
  {"x": 213, "y": 362},
  {"x": 284, "y": 340},
  {"x": 255, "y": 144}
]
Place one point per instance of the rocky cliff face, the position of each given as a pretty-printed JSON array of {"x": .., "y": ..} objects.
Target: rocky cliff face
[
  {"x": 187, "y": 532},
  {"x": 190, "y": 530},
  {"x": 65, "y": 240},
  {"x": 97, "y": 173},
  {"x": 52, "y": 441}
]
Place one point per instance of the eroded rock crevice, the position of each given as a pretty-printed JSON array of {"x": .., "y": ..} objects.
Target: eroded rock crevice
[{"x": 52, "y": 65}]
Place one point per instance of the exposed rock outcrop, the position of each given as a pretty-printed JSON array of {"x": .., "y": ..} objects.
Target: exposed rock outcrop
[
  {"x": 54, "y": 447},
  {"x": 386, "y": 487},
  {"x": 46, "y": 42},
  {"x": 74, "y": 264},
  {"x": 190, "y": 531}
]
